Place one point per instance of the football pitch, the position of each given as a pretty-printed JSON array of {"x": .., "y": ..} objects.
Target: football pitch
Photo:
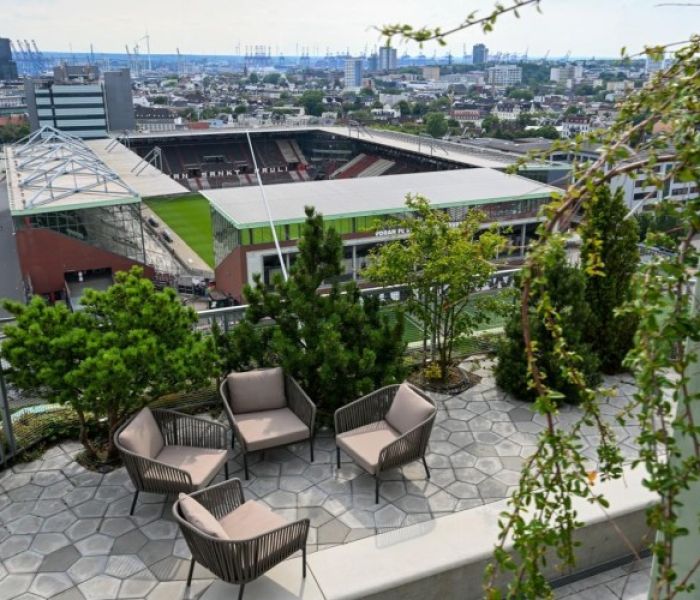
[{"x": 190, "y": 218}]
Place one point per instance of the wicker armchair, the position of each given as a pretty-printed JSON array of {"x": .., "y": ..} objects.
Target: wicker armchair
[
  {"x": 385, "y": 429},
  {"x": 267, "y": 408},
  {"x": 235, "y": 560},
  {"x": 167, "y": 452}
]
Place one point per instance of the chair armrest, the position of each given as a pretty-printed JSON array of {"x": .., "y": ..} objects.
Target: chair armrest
[
  {"x": 145, "y": 472},
  {"x": 185, "y": 430},
  {"x": 368, "y": 409},
  {"x": 222, "y": 498},
  {"x": 408, "y": 447},
  {"x": 300, "y": 403}
]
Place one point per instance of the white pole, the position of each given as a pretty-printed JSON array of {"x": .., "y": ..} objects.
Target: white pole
[{"x": 267, "y": 208}]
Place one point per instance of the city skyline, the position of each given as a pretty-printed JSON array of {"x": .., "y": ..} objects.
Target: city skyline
[{"x": 351, "y": 27}]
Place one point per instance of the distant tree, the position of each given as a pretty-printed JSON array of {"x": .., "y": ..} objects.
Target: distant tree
[
  {"x": 436, "y": 124},
  {"x": 404, "y": 107},
  {"x": 367, "y": 92},
  {"x": 159, "y": 100},
  {"x": 419, "y": 109},
  {"x": 253, "y": 79},
  {"x": 547, "y": 131},
  {"x": 312, "y": 101},
  {"x": 272, "y": 78},
  {"x": 520, "y": 94},
  {"x": 13, "y": 132},
  {"x": 129, "y": 345},
  {"x": 240, "y": 109},
  {"x": 572, "y": 110}
]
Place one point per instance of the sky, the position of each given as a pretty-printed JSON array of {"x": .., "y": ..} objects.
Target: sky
[{"x": 587, "y": 28}]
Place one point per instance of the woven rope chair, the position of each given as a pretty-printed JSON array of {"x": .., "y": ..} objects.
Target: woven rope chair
[
  {"x": 297, "y": 401},
  {"x": 186, "y": 433},
  {"x": 366, "y": 417},
  {"x": 238, "y": 561}
]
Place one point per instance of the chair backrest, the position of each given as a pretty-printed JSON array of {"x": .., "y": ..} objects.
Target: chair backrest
[
  {"x": 409, "y": 409},
  {"x": 257, "y": 390}
]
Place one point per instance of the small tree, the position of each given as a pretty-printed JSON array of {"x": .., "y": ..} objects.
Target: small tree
[
  {"x": 337, "y": 344},
  {"x": 611, "y": 258},
  {"x": 442, "y": 266},
  {"x": 130, "y": 345},
  {"x": 436, "y": 124},
  {"x": 565, "y": 287}
]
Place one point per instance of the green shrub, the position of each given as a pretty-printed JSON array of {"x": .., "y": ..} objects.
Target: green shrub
[
  {"x": 610, "y": 256},
  {"x": 565, "y": 285}
]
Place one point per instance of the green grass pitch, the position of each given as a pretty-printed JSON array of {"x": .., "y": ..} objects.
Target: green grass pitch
[{"x": 188, "y": 216}]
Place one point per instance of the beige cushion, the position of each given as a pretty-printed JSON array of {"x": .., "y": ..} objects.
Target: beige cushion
[
  {"x": 253, "y": 391},
  {"x": 365, "y": 443},
  {"x": 142, "y": 436},
  {"x": 271, "y": 428},
  {"x": 408, "y": 409},
  {"x": 250, "y": 520},
  {"x": 201, "y": 463},
  {"x": 201, "y": 518}
]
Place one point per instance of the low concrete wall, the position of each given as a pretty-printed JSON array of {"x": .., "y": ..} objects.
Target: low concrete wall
[{"x": 445, "y": 559}]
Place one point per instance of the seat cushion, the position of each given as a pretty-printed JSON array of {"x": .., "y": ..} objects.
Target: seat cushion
[
  {"x": 365, "y": 443},
  {"x": 201, "y": 518},
  {"x": 201, "y": 463},
  {"x": 270, "y": 428},
  {"x": 408, "y": 409},
  {"x": 142, "y": 436},
  {"x": 250, "y": 520},
  {"x": 258, "y": 390}
]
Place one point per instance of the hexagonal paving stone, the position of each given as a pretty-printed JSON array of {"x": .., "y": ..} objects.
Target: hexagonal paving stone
[
  {"x": 160, "y": 530},
  {"x": 389, "y": 516},
  {"x": 101, "y": 587},
  {"x": 392, "y": 490},
  {"x": 154, "y": 551},
  {"x": 14, "y": 585},
  {"x": 26, "y": 492},
  {"x": 357, "y": 518},
  {"x": 116, "y": 526},
  {"x": 82, "y": 528},
  {"x": 442, "y": 502},
  {"x": 24, "y": 562},
  {"x": 462, "y": 439},
  {"x": 313, "y": 496},
  {"x": 462, "y": 490},
  {"x": 25, "y": 524},
  {"x": 413, "y": 504},
  {"x": 95, "y": 545},
  {"x": 129, "y": 543},
  {"x": 45, "y": 543},
  {"x": 138, "y": 586},
  {"x": 86, "y": 568},
  {"x": 492, "y": 488},
  {"x": 294, "y": 483},
  {"x": 333, "y": 532},
  {"x": 470, "y": 475},
  {"x": 123, "y": 566},
  {"x": 488, "y": 465},
  {"x": 59, "y": 522},
  {"x": 48, "y": 585},
  {"x": 91, "y": 508},
  {"x": 47, "y": 508},
  {"x": 462, "y": 459},
  {"x": 60, "y": 559}
]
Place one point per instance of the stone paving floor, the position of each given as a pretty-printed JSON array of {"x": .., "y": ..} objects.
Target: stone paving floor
[
  {"x": 66, "y": 532},
  {"x": 628, "y": 582}
]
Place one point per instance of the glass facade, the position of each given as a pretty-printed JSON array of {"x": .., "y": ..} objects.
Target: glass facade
[{"x": 117, "y": 229}]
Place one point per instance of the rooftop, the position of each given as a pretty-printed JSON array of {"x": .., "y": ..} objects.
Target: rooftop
[
  {"x": 371, "y": 195},
  {"x": 51, "y": 170}
]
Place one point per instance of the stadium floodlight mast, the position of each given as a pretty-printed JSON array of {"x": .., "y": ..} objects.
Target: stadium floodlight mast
[{"x": 267, "y": 207}]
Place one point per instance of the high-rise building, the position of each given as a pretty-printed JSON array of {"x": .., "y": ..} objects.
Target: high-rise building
[
  {"x": 75, "y": 102},
  {"x": 480, "y": 54},
  {"x": 387, "y": 58},
  {"x": 353, "y": 73},
  {"x": 504, "y": 75},
  {"x": 431, "y": 73},
  {"x": 8, "y": 67},
  {"x": 566, "y": 73}
]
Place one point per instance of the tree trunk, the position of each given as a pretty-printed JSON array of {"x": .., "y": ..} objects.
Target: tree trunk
[
  {"x": 84, "y": 437},
  {"x": 112, "y": 426}
]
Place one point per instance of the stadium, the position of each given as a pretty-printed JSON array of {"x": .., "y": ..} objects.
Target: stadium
[{"x": 186, "y": 205}]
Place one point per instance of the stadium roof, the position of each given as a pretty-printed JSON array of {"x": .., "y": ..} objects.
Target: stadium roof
[
  {"x": 337, "y": 198},
  {"x": 139, "y": 174},
  {"x": 51, "y": 170}
]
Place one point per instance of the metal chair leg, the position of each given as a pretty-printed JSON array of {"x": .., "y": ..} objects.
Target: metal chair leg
[
  {"x": 240, "y": 591},
  {"x": 245, "y": 465},
  {"x": 376, "y": 489},
  {"x": 337, "y": 456},
  {"x": 133, "y": 504},
  {"x": 311, "y": 448},
  {"x": 226, "y": 469},
  {"x": 303, "y": 561},
  {"x": 189, "y": 575},
  {"x": 233, "y": 441},
  {"x": 427, "y": 470}
]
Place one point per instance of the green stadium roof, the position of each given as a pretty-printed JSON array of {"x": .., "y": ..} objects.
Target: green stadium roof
[{"x": 364, "y": 196}]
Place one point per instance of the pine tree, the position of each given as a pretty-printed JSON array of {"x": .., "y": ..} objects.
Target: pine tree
[
  {"x": 565, "y": 285},
  {"x": 338, "y": 345},
  {"x": 610, "y": 256}
]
